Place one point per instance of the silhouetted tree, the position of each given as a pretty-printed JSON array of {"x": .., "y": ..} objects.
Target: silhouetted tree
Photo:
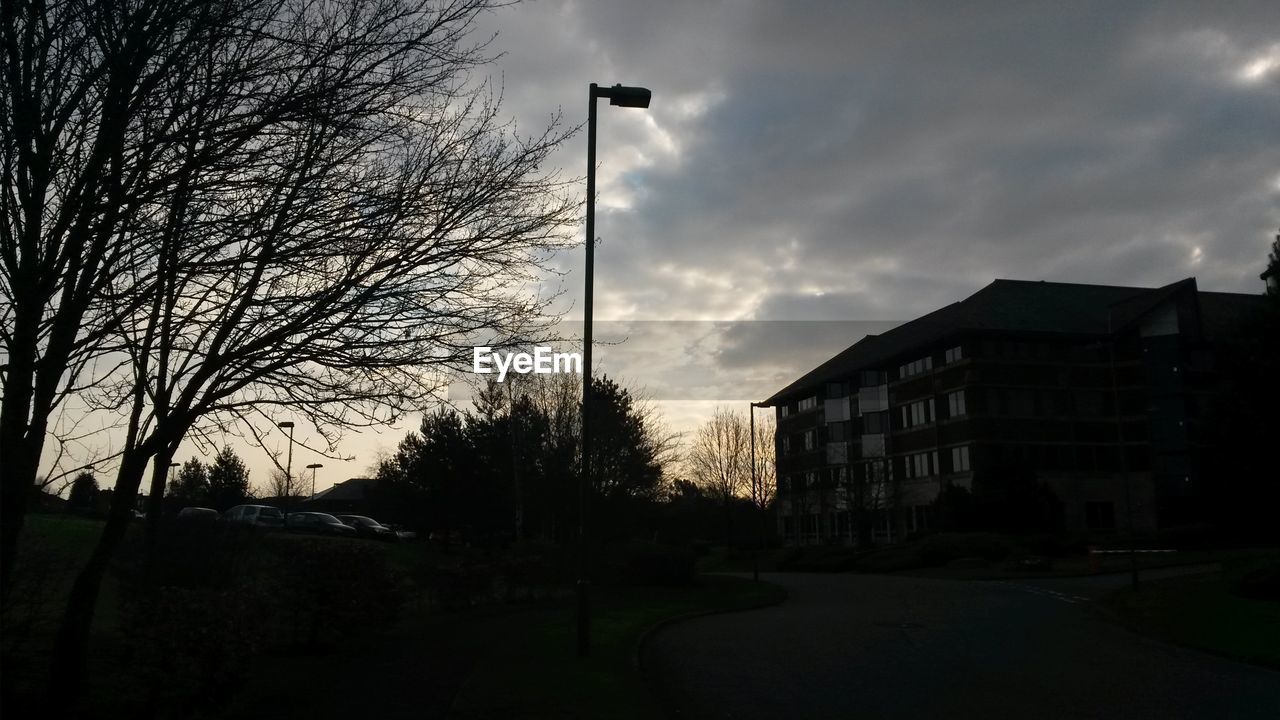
[
  {"x": 626, "y": 451},
  {"x": 191, "y": 487},
  {"x": 228, "y": 480},
  {"x": 279, "y": 486},
  {"x": 328, "y": 211},
  {"x": 84, "y": 492},
  {"x": 477, "y": 475},
  {"x": 719, "y": 461},
  {"x": 1238, "y": 455}
]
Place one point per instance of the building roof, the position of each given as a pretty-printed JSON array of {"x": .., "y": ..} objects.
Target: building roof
[
  {"x": 1018, "y": 306},
  {"x": 355, "y": 489}
]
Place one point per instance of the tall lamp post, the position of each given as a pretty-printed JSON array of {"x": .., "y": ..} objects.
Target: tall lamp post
[
  {"x": 622, "y": 96},
  {"x": 757, "y": 495},
  {"x": 313, "y": 467},
  {"x": 288, "y": 468}
]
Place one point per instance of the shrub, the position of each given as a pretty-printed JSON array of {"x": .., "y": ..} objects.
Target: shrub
[
  {"x": 326, "y": 589},
  {"x": 942, "y": 548},
  {"x": 192, "y": 646},
  {"x": 1260, "y": 584},
  {"x": 654, "y": 564}
]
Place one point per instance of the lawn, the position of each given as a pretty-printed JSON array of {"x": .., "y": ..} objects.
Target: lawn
[
  {"x": 1201, "y": 611},
  {"x": 532, "y": 670},
  {"x": 487, "y": 660}
]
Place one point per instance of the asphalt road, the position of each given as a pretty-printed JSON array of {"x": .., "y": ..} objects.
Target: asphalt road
[{"x": 864, "y": 646}]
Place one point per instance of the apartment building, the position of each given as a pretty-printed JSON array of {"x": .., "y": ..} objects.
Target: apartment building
[{"x": 1094, "y": 390}]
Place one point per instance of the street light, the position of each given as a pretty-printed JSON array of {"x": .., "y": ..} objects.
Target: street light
[
  {"x": 288, "y": 472},
  {"x": 622, "y": 96},
  {"x": 313, "y": 467}
]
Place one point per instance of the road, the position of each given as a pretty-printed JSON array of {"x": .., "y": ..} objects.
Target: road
[{"x": 865, "y": 646}]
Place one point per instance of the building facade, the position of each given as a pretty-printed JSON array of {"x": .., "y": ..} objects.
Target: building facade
[{"x": 1094, "y": 391}]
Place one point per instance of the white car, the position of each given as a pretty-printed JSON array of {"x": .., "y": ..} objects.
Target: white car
[{"x": 257, "y": 515}]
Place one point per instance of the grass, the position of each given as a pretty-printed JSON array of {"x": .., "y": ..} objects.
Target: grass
[
  {"x": 532, "y": 670},
  {"x": 488, "y": 661},
  {"x": 1201, "y": 611}
]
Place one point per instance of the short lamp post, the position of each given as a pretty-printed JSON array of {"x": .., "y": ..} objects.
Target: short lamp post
[
  {"x": 288, "y": 468},
  {"x": 622, "y": 96},
  {"x": 313, "y": 467}
]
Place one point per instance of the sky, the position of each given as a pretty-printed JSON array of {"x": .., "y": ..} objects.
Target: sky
[{"x": 812, "y": 171}]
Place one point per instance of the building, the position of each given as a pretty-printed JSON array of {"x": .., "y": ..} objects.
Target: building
[
  {"x": 1092, "y": 390},
  {"x": 349, "y": 497}
]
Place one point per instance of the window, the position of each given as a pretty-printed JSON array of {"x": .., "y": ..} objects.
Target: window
[
  {"x": 953, "y": 354},
  {"x": 784, "y": 410},
  {"x": 917, "y": 518},
  {"x": 786, "y": 444},
  {"x": 875, "y": 423},
  {"x": 918, "y": 413},
  {"x": 837, "y": 432},
  {"x": 808, "y": 403},
  {"x": 810, "y": 439},
  {"x": 920, "y": 465},
  {"x": 955, "y": 404},
  {"x": 1100, "y": 515},
  {"x": 960, "y": 459},
  {"x": 915, "y": 367}
]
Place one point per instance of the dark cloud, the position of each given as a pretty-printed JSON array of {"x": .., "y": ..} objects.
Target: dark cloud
[{"x": 874, "y": 161}]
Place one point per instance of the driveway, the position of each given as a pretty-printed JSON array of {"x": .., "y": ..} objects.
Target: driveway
[{"x": 864, "y": 646}]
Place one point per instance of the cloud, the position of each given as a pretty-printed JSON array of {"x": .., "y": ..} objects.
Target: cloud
[{"x": 870, "y": 161}]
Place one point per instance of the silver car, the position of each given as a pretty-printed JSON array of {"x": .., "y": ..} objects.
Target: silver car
[{"x": 256, "y": 515}]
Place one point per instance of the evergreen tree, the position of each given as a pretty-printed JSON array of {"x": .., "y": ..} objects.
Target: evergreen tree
[
  {"x": 228, "y": 480},
  {"x": 84, "y": 491},
  {"x": 191, "y": 487}
]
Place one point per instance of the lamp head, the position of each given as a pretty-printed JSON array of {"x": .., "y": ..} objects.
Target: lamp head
[{"x": 626, "y": 96}]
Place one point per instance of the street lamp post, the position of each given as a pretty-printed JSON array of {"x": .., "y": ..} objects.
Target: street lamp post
[
  {"x": 288, "y": 471},
  {"x": 621, "y": 96},
  {"x": 756, "y": 496},
  {"x": 313, "y": 467}
]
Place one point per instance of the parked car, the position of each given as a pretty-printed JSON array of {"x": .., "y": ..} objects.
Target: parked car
[
  {"x": 368, "y": 527},
  {"x": 256, "y": 515},
  {"x": 317, "y": 523},
  {"x": 198, "y": 514},
  {"x": 401, "y": 533}
]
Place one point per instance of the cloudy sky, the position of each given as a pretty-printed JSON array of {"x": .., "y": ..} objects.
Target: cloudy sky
[
  {"x": 862, "y": 162},
  {"x": 866, "y": 162},
  {"x": 872, "y": 161}
]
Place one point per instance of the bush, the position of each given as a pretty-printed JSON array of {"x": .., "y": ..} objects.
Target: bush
[
  {"x": 654, "y": 564},
  {"x": 942, "y": 548},
  {"x": 329, "y": 589},
  {"x": 1260, "y": 584},
  {"x": 820, "y": 558},
  {"x": 192, "y": 647}
]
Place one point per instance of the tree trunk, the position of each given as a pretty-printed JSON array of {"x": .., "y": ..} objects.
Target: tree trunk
[
  {"x": 67, "y": 674},
  {"x": 21, "y": 449}
]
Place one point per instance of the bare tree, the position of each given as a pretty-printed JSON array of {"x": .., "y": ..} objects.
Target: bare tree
[
  {"x": 719, "y": 460},
  {"x": 765, "y": 478},
  {"x": 81, "y": 79},
  {"x": 345, "y": 214},
  {"x": 279, "y": 486}
]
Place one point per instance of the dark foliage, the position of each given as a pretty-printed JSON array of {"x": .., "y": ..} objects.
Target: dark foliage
[
  {"x": 510, "y": 468},
  {"x": 655, "y": 564},
  {"x": 84, "y": 492},
  {"x": 228, "y": 479},
  {"x": 1238, "y": 452},
  {"x": 1010, "y": 500}
]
